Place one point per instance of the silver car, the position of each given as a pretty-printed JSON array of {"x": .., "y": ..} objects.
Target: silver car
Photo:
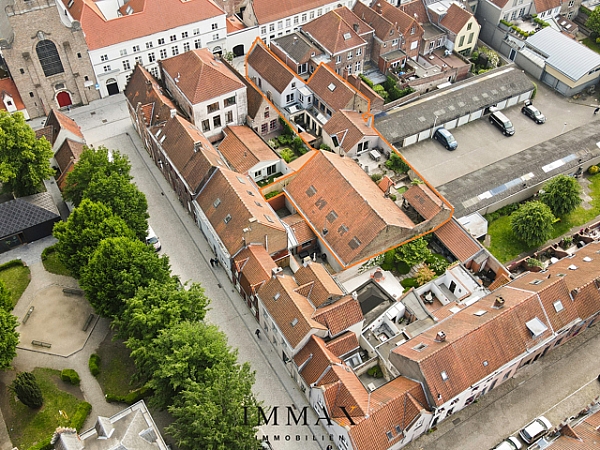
[
  {"x": 535, "y": 430},
  {"x": 510, "y": 443}
]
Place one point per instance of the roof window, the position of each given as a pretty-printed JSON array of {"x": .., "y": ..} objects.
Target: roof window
[
  {"x": 536, "y": 326},
  {"x": 241, "y": 180},
  {"x": 354, "y": 243},
  {"x": 311, "y": 191},
  {"x": 227, "y": 218},
  {"x": 420, "y": 347},
  {"x": 268, "y": 218},
  {"x": 558, "y": 306},
  {"x": 294, "y": 322},
  {"x": 480, "y": 313},
  {"x": 444, "y": 375},
  {"x": 276, "y": 296},
  {"x": 331, "y": 87},
  {"x": 217, "y": 202}
]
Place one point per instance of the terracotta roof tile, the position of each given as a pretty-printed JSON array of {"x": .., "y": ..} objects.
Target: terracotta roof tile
[
  {"x": 300, "y": 228},
  {"x": 143, "y": 89},
  {"x": 585, "y": 435},
  {"x": 498, "y": 336},
  {"x": 314, "y": 359},
  {"x": 333, "y": 33},
  {"x": 60, "y": 121},
  {"x": 201, "y": 76},
  {"x": 269, "y": 66},
  {"x": 255, "y": 264},
  {"x": 343, "y": 344},
  {"x": 425, "y": 202},
  {"x": 270, "y": 10},
  {"x": 340, "y": 315},
  {"x": 291, "y": 311},
  {"x": 545, "y": 5},
  {"x": 68, "y": 154},
  {"x": 456, "y": 239},
  {"x": 391, "y": 18},
  {"x": 243, "y": 149},
  {"x": 8, "y": 86},
  {"x": 501, "y": 280},
  {"x": 333, "y": 90},
  {"x": 47, "y": 132},
  {"x": 350, "y": 127},
  {"x": 324, "y": 289},
  {"x": 384, "y": 29},
  {"x": 238, "y": 212},
  {"x": 456, "y": 18},
  {"x": 151, "y": 17},
  {"x": 190, "y": 152},
  {"x": 416, "y": 9},
  {"x": 359, "y": 223},
  {"x": 352, "y": 20}
]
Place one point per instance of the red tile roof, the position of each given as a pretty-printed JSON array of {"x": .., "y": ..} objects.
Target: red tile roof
[
  {"x": 352, "y": 20},
  {"x": 270, "y": 10},
  {"x": 391, "y": 22},
  {"x": 340, "y": 315},
  {"x": 323, "y": 288},
  {"x": 150, "y": 17},
  {"x": 334, "y": 91},
  {"x": 416, "y": 9},
  {"x": 47, "y": 132},
  {"x": 350, "y": 127},
  {"x": 425, "y": 202},
  {"x": 456, "y": 239},
  {"x": 8, "y": 87},
  {"x": 270, "y": 67},
  {"x": 498, "y": 336},
  {"x": 343, "y": 344},
  {"x": 190, "y": 152},
  {"x": 300, "y": 228},
  {"x": 243, "y": 149},
  {"x": 238, "y": 212},
  {"x": 60, "y": 121},
  {"x": 359, "y": 223},
  {"x": 314, "y": 359},
  {"x": 333, "y": 33},
  {"x": 68, "y": 154},
  {"x": 456, "y": 18},
  {"x": 291, "y": 311},
  {"x": 201, "y": 76},
  {"x": 545, "y": 5},
  {"x": 255, "y": 264},
  {"x": 585, "y": 435}
]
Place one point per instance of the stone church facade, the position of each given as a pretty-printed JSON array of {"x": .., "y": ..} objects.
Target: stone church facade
[{"x": 47, "y": 58}]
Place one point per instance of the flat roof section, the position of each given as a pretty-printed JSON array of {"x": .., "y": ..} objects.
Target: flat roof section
[
  {"x": 460, "y": 99},
  {"x": 532, "y": 166}
]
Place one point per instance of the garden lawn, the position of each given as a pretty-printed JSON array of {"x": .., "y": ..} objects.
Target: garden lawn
[
  {"x": 52, "y": 264},
  {"x": 116, "y": 367},
  {"x": 505, "y": 246},
  {"x": 16, "y": 278},
  {"x": 591, "y": 44},
  {"x": 29, "y": 426}
]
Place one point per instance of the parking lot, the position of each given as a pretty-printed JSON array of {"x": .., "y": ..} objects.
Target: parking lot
[{"x": 480, "y": 143}]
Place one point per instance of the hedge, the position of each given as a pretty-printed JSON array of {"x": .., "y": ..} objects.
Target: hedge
[
  {"x": 94, "y": 364},
  {"x": 13, "y": 263},
  {"x": 69, "y": 375},
  {"x": 131, "y": 398},
  {"x": 78, "y": 419}
]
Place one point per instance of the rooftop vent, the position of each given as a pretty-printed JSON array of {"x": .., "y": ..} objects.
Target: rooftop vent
[
  {"x": 499, "y": 302},
  {"x": 440, "y": 336}
]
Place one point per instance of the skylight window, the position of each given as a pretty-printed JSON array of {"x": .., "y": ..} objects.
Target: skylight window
[
  {"x": 294, "y": 322},
  {"x": 268, "y": 218},
  {"x": 420, "y": 347},
  {"x": 250, "y": 193},
  {"x": 444, "y": 375},
  {"x": 311, "y": 191},
  {"x": 558, "y": 306},
  {"x": 347, "y": 36},
  {"x": 276, "y": 296},
  {"x": 354, "y": 243},
  {"x": 480, "y": 313},
  {"x": 331, "y": 87},
  {"x": 587, "y": 259},
  {"x": 217, "y": 202},
  {"x": 536, "y": 326},
  {"x": 227, "y": 218},
  {"x": 241, "y": 180}
]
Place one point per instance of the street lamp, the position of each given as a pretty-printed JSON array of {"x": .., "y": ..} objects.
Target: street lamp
[{"x": 564, "y": 126}]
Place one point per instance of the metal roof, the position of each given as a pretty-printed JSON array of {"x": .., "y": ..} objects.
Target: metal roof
[
  {"x": 441, "y": 106},
  {"x": 25, "y": 212},
  {"x": 564, "y": 54}
]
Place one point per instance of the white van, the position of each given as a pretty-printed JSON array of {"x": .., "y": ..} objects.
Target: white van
[{"x": 152, "y": 239}]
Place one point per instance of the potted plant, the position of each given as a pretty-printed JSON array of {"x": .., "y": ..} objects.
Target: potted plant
[{"x": 534, "y": 265}]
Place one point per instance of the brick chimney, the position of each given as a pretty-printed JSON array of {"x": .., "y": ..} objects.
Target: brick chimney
[
  {"x": 499, "y": 302},
  {"x": 440, "y": 336}
]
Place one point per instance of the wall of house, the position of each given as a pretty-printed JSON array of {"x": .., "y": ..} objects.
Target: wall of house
[
  {"x": 488, "y": 15},
  {"x": 116, "y": 62},
  {"x": 205, "y": 120},
  {"x": 241, "y": 40},
  {"x": 30, "y": 23},
  {"x": 578, "y": 85},
  {"x": 214, "y": 242},
  {"x": 278, "y": 98},
  {"x": 470, "y": 38},
  {"x": 339, "y": 434}
]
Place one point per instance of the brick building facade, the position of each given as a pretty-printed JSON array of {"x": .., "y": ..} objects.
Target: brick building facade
[{"x": 47, "y": 59}]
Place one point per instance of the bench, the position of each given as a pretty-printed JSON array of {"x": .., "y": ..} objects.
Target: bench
[
  {"x": 87, "y": 322},
  {"x": 41, "y": 344},
  {"x": 73, "y": 291},
  {"x": 26, "y": 318}
]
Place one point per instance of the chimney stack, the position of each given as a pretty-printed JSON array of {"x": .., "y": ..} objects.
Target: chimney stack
[
  {"x": 499, "y": 302},
  {"x": 440, "y": 337},
  {"x": 355, "y": 26}
]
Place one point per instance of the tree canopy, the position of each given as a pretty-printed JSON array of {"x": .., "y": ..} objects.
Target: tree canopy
[
  {"x": 94, "y": 163},
  {"x": 24, "y": 160},
  {"x": 180, "y": 355},
  {"x": 81, "y": 234},
  {"x": 9, "y": 338},
  {"x": 413, "y": 252},
  {"x": 593, "y": 22},
  {"x": 562, "y": 194},
  {"x": 27, "y": 389},
  {"x": 123, "y": 198},
  {"x": 211, "y": 415},
  {"x": 532, "y": 222},
  {"x": 116, "y": 269},
  {"x": 159, "y": 306}
]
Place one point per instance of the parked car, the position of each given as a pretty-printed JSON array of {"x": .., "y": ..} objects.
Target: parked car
[
  {"x": 535, "y": 430},
  {"x": 532, "y": 112},
  {"x": 445, "y": 137},
  {"x": 502, "y": 122},
  {"x": 510, "y": 443},
  {"x": 152, "y": 239}
]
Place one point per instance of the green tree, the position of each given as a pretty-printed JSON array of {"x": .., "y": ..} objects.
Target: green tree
[
  {"x": 24, "y": 160},
  {"x": 81, "y": 234},
  {"x": 180, "y": 355},
  {"x": 396, "y": 163},
  {"x": 116, "y": 269},
  {"x": 27, "y": 389},
  {"x": 9, "y": 338},
  {"x": 94, "y": 163},
  {"x": 123, "y": 198},
  {"x": 211, "y": 415},
  {"x": 593, "y": 22},
  {"x": 413, "y": 252},
  {"x": 562, "y": 194},
  {"x": 157, "y": 307},
  {"x": 5, "y": 298},
  {"x": 532, "y": 222}
]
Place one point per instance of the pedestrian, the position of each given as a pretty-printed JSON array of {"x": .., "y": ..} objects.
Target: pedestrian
[
  {"x": 217, "y": 262},
  {"x": 257, "y": 333},
  {"x": 212, "y": 262},
  {"x": 596, "y": 110}
]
